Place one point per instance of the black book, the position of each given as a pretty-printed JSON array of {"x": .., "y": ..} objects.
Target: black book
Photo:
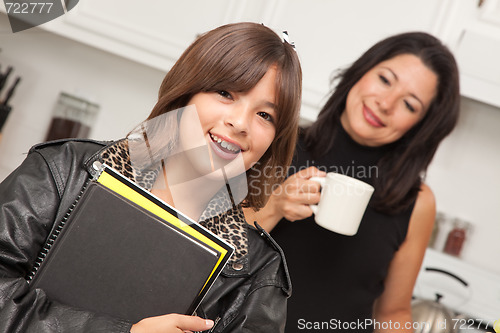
[{"x": 125, "y": 253}]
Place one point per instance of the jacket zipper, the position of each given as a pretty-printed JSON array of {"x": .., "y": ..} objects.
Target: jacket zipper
[{"x": 216, "y": 321}]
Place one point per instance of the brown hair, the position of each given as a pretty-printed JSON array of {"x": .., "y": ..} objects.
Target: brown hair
[
  {"x": 398, "y": 181},
  {"x": 235, "y": 57}
]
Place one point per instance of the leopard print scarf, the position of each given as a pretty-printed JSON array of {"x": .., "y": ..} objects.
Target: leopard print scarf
[{"x": 220, "y": 216}]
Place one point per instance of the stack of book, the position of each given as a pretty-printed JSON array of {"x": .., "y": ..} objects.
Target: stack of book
[{"x": 122, "y": 251}]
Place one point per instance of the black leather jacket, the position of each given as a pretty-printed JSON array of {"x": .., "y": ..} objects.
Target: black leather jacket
[{"x": 247, "y": 297}]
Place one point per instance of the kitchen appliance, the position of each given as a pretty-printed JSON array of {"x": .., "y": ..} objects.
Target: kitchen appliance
[
  {"x": 472, "y": 293},
  {"x": 432, "y": 317}
]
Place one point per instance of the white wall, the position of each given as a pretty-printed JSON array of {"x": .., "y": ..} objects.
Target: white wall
[{"x": 465, "y": 178}]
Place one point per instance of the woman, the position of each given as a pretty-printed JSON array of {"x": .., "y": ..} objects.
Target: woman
[
  {"x": 245, "y": 84},
  {"x": 382, "y": 124}
]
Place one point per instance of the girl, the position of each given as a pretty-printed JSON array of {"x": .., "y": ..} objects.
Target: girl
[{"x": 245, "y": 84}]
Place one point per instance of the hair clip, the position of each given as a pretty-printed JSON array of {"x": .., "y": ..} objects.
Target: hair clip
[{"x": 287, "y": 40}]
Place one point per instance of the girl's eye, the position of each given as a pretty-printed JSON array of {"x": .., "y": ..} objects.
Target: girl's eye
[
  {"x": 225, "y": 94},
  {"x": 409, "y": 107},
  {"x": 266, "y": 116},
  {"x": 384, "y": 79}
]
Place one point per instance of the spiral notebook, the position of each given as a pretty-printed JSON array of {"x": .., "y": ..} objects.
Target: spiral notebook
[{"x": 125, "y": 253}]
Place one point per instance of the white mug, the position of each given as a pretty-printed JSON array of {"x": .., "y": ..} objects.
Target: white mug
[{"x": 342, "y": 204}]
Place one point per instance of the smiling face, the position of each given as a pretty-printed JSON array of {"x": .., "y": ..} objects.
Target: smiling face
[
  {"x": 237, "y": 125},
  {"x": 389, "y": 100}
]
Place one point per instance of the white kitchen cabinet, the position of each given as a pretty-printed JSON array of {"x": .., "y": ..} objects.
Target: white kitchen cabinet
[
  {"x": 151, "y": 32},
  {"x": 472, "y": 28},
  {"x": 328, "y": 33}
]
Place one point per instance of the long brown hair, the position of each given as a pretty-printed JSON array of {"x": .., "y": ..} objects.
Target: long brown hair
[
  {"x": 235, "y": 57},
  {"x": 398, "y": 181}
]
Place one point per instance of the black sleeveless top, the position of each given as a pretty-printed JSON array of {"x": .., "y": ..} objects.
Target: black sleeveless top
[{"x": 336, "y": 278}]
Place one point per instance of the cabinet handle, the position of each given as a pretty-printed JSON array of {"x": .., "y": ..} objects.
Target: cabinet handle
[{"x": 480, "y": 3}]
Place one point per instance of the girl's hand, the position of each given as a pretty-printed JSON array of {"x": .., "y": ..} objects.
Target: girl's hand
[{"x": 172, "y": 323}]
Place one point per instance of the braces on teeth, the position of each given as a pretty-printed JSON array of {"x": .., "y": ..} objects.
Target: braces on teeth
[{"x": 225, "y": 144}]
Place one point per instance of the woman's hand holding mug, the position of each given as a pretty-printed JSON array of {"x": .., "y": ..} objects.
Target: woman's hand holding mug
[
  {"x": 343, "y": 203},
  {"x": 291, "y": 200}
]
